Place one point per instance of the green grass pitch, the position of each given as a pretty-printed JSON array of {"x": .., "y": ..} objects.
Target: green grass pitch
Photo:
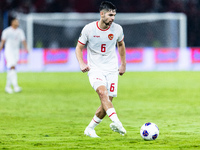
[{"x": 54, "y": 109}]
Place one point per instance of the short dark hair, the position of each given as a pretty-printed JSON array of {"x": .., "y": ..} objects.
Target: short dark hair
[
  {"x": 11, "y": 19},
  {"x": 107, "y": 6}
]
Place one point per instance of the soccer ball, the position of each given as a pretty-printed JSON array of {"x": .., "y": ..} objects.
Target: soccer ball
[{"x": 149, "y": 131}]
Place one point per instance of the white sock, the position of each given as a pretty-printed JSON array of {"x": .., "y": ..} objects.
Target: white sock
[
  {"x": 113, "y": 115},
  {"x": 95, "y": 121},
  {"x": 13, "y": 75},
  {"x": 8, "y": 79}
]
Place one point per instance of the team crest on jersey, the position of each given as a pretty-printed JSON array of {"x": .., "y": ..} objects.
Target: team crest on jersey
[{"x": 110, "y": 36}]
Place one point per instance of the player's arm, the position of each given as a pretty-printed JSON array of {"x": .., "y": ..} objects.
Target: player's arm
[
  {"x": 122, "y": 53},
  {"x": 79, "y": 55},
  {"x": 25, "y": 45},
  {"x": 2, "y": 44}
]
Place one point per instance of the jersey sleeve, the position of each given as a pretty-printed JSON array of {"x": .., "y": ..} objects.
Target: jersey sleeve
[
  {"x": 83, "y": 38},
  {"x": 121, "y": 35},
  {"x": 4, "y": 35}
]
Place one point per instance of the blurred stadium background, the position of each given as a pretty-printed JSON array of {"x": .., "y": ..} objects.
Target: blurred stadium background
[
  {"x": 55, "y": 107},
  {"x": 160, "y": 35}
]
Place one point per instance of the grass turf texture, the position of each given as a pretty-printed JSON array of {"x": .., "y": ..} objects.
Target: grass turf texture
[{"x": 54, "y": 109}]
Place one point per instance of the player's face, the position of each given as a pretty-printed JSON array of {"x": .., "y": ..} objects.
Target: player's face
[
  {"x": 109, "y": 17},
  {"x": 15, "y": 23}
]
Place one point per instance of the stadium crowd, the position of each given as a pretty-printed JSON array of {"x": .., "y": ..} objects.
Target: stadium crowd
[{"x": 190, "y": 7}]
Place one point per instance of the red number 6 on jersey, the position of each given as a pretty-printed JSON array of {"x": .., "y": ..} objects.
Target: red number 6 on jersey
[
  {"x": 103, "y": 47},
  {"x": 112, "y": 87}
]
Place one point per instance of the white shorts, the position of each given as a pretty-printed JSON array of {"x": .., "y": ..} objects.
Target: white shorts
[
  {"x": 110, "y": 80},
  {"x": 11, "y": 58}
]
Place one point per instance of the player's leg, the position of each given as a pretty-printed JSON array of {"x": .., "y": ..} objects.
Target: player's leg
[
  {"x": 103, "y": 95},
  {"x": 99, "y": 115},
  {"x": 116, "y": 125},
  {"x": 96, "y": 79},
  {"x": 14, "y": 80},
  {"x": 12, "y": 59},
  {"x": 110, "y": 110},
  {"x": 8, "y": 88},
  {"x": 9, "y": 62}
]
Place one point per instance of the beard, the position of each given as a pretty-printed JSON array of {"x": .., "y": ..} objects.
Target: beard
[{"x": 107, "y": 23}]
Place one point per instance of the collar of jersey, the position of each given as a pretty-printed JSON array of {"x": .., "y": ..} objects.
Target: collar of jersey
[{"x": 100, "y": 28}]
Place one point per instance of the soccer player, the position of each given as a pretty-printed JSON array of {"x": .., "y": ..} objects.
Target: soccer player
[
  {"x": 101, "y": 38},
  {"x": 12, "y": 36}
]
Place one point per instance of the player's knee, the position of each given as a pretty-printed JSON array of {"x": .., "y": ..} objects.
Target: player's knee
[{"x": 102, "y": 92}]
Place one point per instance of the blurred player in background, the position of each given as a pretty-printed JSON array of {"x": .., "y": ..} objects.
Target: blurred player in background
[
  {"x": 101, "y": 38},
  {"x": 12, "y": 37}
]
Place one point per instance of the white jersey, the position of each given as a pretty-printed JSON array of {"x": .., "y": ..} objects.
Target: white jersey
[
  {"x": 13, "y": 38},
  {"x": 101, "y": 46}
]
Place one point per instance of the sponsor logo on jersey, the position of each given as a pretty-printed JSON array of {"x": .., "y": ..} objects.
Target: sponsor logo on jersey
[
  {"x": 99, "y": 79},
  {"x": 110, "y": 36},
  {"x": 97, "y": 36}
]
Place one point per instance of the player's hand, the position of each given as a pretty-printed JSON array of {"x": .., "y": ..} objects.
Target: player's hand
[
  {"x": 27, "y": 50},
  {"x": 84, "y": 68},
  {"x": 122, "y": 70}
]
